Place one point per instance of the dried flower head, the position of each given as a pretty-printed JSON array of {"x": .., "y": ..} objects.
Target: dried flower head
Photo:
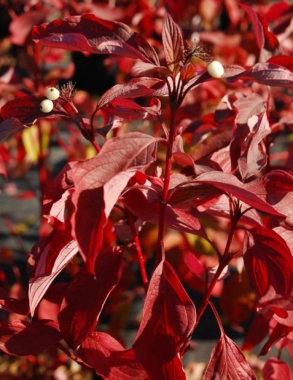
[
  {"x": 68, "y": 91},
  {"x": 197, "y": 50}
]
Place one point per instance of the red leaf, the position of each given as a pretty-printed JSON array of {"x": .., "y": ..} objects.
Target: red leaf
[
  {"x": 58, "y": 187},
  {"x": 268, "y": 261},
  {"x": 148, "y": 211},
  {"x": 276, "y": 369},
  {"x": 13, "y": 305},
  {"x": 227, "y": 362},
  {"x": 173, "y": 43},
  {"x": 267, "y": 42},
  {"x": 251, "y": 127},
  {"x": 25, "y": 22},
  {"x": 254, "y": 158},
  {"x": 258, "y": 28},
  {"x": 91, "y": 34},
  {"x": 49, "y": 306},
  {"x": 257, "y": 331},
  {"x": 86, "y": 296},
  {"x": 9, "y": 126},
  {"x": 28, "y": 338},
  {"x": 282, "y": 60},
  {"x": 167, "y": 322},
  {"x": 52, "y": 260},
  {"x": 246, "y": 193},
  {"x": 26, "y": 109},
  {"x": 279, "y": 332},
  {"x": 110, "y": 359},
  {"x": 99, "y": 182},
  {"x": 277, "y": 306},
  {"x": 278, "y": 191},
  {"x": 265, "y": 73},
  {"x": 135, "y": 88},
  {"x": 124, "y": 109}
]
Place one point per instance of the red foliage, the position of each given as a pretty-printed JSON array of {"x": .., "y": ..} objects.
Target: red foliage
[{"x": 200, "y": 168}]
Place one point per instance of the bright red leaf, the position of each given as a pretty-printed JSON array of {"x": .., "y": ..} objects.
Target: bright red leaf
[
  {"x": 167, "y": 322},
  {"x": 227, "y": 362},
  {"x": 86, "y": 296},
  {"x": 278, "y": 332},
  {"x": 282, "y": 60},
  {"x": 268, "y": 261},
  {"x": 57, "y": 253},
  {"x": 110, "y": 359},
  {"x": 276, "y": 369}
]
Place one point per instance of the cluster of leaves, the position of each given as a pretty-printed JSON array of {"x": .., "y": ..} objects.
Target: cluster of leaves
[{"x": 208, "y": 178}]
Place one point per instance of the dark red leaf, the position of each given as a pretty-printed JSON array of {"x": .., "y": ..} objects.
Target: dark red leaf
[
  {"x": 28, "y": 338},
  {"x": 125, "y": 109},
  {"x": 135, "y": 88},
  {"x": 86, "y": 295},
  {"x": 276, "y": 369},
  {"x": 110, "y": 359},
  {"x": 213, "y": 143},
  {"x": 27, "y": 110},
  {"x": 144, "y": 209},
  {"x": 9, "y": 126},
  {"x": 49, "y": 306},
  {"x": 193, "y": 192},
  {"x": 58, "y": 187},
  {"x": 257, "y": 332},
  {"x": 91, "y": 34},
  {"x": 13, "y": 305},
  {"x": 173, "y": 43},
  {"x": 227, "y": 362},
  {"x": 167, "y": 322},
  {"x": 268, "y": 261}
]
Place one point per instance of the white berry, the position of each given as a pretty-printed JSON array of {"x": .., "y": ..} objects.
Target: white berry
[
  {"x": 52, "y": 93},
  {"x": 215, "y": 69},
  {"x": 46, "y": 105}
]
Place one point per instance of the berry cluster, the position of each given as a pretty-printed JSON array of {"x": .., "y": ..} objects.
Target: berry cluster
[{"x": 52, "y": 93}]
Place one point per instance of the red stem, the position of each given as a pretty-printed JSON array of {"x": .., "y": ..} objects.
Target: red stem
[
  {"x": 223, "y": 262},
  {"x": 160, "y": 251},
  {"x": 139, "y": 253},
  {"x": 73, "y": 112},
  {"x": 208, "y": 294}
]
